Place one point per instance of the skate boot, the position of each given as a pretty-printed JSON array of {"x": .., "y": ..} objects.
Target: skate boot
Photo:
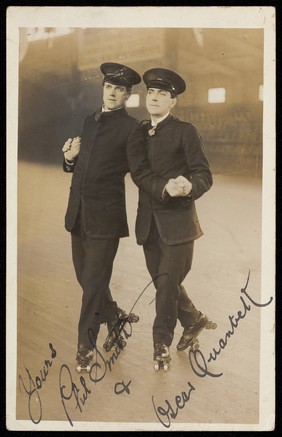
[
  {"x": 114, "y": 337},
  {"x": 84, "y": 357},
  {"x": 190, "y": 335},
  {"x": 131, "y": 317},
  {"x": 116, "y": 326},
  {"x": 161, "y": 356}
]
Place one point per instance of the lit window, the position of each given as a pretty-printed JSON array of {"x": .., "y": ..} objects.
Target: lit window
[
  {"x": 216, "y": 95},
  {"x": 261, "y": 93},
  {"x": 133, "y": 101}
]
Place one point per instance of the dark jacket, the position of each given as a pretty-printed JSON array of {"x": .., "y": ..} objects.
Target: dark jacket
[
  {"x": 175, "y": 149},
  {"x": 97, "y": 188}
]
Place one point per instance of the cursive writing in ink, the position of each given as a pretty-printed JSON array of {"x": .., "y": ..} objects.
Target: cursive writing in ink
[
  {"x": 244, "y": 291},
  {"x": 100, "y": 365},
  {"x": 33, "y": 387},
  {"x": 68, "y": 389},
  {"x": 98, "y": 370},
  {"x": 121, "y": 387},
  {"x": 199, "y": 364},
  {"x": 165, "y": 414},
  {"x": 153, "y": 281},
  {"x": 234, "y": 320}
]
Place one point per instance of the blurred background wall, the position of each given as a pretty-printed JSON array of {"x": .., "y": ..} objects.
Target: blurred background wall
[{"x": 60, "y": 84}]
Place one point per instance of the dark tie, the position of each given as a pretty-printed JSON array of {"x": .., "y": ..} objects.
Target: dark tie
[{"x": 152, "y": 131}]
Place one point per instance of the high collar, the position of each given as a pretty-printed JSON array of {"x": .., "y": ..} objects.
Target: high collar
[
  {"x": 103, "y": 109},
  {"x": 110, "y": 115},
  {"x": 155, "y": 123},
  {"x": 162, "y": 123}
]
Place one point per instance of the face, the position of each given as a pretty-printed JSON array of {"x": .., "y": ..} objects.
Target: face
[
  {"x": 114, "y": 96},
  {"x": 159, "y": 102}
]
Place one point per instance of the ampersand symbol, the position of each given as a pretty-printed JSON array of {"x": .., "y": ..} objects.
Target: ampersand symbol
[{"x": 121, "y": 387}]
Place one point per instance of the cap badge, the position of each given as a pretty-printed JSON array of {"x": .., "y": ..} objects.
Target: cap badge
[{"x": 119, "y": 73}]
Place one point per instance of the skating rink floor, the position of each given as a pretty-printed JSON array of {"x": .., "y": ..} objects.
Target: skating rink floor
[{"x": 123, "y": 391}]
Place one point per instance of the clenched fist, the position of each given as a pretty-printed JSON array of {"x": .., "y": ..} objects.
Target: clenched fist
[
  {"x": 71, "y": 148},
  {"x": 178, "y": 187},
  {"x": 184, "y": 184}
]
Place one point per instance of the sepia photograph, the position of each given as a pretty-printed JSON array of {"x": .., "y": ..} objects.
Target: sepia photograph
[{"x": 140, "y": 219}]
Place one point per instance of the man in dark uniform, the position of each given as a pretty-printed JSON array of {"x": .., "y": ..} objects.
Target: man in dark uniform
[
  {"x": 96, "y": 214},
  {"x": 167, "y": 228}
]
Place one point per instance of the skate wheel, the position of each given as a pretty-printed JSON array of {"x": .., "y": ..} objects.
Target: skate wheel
[
  {"x": 156, "y": 366},
  {"x": 165, "y": 367},
  {"x": 195, "y": 345},
  {"x": 132, "y": 318},
  {"x": 78, "y": 369},
  {"x": 121, "y": 344},
  {"x": 211, "y": 325},
  {"x": 88, "y": 368}
]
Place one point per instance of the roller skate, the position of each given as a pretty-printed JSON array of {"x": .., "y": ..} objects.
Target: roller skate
[
  {"x": 161, "y": 356},
  {"x": 115, "y": 327},
  {"x": 114, "y": 337},
  {"x": 189, "y": 337},
  {"x": 123, "y": 316},
  {"x": 84, "y": 357}
]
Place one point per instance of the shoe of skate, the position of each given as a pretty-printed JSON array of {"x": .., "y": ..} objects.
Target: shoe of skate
[
  {"x": 131, "y": 317},
  {"x": 114, "y": 337},
  {"x": 161, "y": 356},
  {"x": 84, "y": 357},
  {"x": 189, "y": 336}
]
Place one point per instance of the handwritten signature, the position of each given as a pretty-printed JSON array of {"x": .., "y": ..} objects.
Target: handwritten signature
[
  {"x": 98, "y": 370},
  {"x": 34, "y": 385},
  {"x": 234, "y": 320},
  {"x": 78, "y": 393},
  {"x": 68, "y": 388},
  {"x": 199, "y": 363},
  {"x": 171, "y": 412}
]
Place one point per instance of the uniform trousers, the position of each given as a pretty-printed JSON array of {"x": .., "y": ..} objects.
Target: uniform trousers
[
  {"x": 93, "y": 262},
  {"x": 168, "y": 267}
]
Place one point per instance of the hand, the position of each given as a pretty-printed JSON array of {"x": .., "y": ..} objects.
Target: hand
[
  {"x": 173, "y": 188},
  {"x": 178, "y": 187},
  {"x": 71, "y": 148},
  {"x": 184, "y": 184},
  {"x": 67, "y": 145}
]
